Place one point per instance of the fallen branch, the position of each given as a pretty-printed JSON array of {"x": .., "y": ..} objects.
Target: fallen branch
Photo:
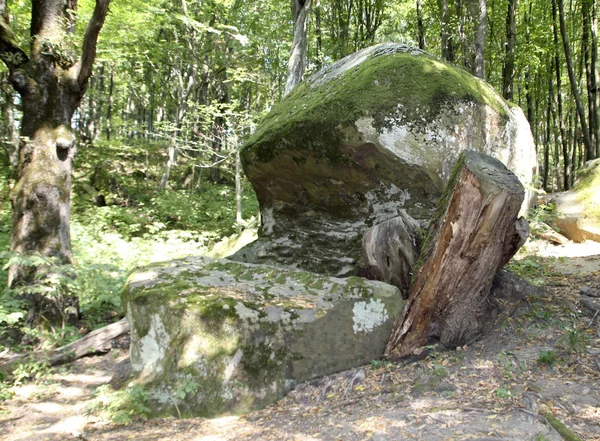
[{"x": 96, "y": 342}]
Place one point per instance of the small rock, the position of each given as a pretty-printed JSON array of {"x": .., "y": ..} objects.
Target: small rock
[
  {"x": 589, "y": 291},
  {"x": 445, "y": 387},
  {"x": 380, "y": 437}
]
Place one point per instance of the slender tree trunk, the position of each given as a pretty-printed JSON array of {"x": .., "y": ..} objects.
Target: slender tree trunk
[
  {"x": 319, "y": 33},
  {"x": 590, "y": 148},
  {"x": 547, "y": 134},
  {"x": 480, "y": 39},
  {"x": 595, "y": 82},
  {"x": 238, "y": 189},
  {"x": 420, "y": 30},
  {"x": 508, "y": 69},
  {"x": 446, "y": 34},
  {"x": 297, "y": 61},
  {"x": 560, "y": 113},
  {"x": 109, "y": 106},
  {"x": 589, "y": 46},
  {"x": 462, "y": 35},
  {"x": 8, "y": 134},
  {"x": 51, "y": 87}
]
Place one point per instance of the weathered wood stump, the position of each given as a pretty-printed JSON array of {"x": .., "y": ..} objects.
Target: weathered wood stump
[
  {"x": 474, "y": 232},
  {"x": 390, "y": 251}
]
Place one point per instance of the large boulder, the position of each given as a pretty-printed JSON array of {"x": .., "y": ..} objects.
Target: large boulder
[
  {"x": 370, "y": 138},
  {"x": 577, "y": 211},
  {"x": 210, "y": 336}
]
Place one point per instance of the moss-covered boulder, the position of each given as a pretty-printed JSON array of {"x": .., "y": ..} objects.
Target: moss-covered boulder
[
  {"x": 367, "y": 139},
  {"x": 577, "y": 211},
  {"x": 210, "y": 336}
]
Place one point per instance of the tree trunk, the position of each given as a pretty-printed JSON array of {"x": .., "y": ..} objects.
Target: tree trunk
[
  {"x": 319, "y": 34},
  {"x": 508, "y": 68},
  {"x": 109, "y": 107},
  {"x": 239, "y": 220},
  {"x": 462, "y": 35},
  {"x": 560, "y": 114},
  {"x": 420, "y": 30},
  {"x": 590, "y": 148},
  {"x": 547, "y": 134},
  {"x": 446, "y": 43},
  {"x": 475, "y": 233},
  {"x": 480, "y": 38},
  {"x": 595, "y": 81},
  {"x": 297, "y": 61},
  {"x": 51, "y": 85}
]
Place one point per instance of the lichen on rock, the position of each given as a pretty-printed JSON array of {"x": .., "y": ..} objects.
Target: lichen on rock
[
  {"x": 369, "y": 137},
  {"x": 210, "y": 336}
]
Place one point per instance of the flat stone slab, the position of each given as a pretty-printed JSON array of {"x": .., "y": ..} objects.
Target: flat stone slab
[{"x": 211, "y": 336}]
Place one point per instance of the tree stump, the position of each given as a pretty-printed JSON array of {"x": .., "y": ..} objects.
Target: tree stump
[{"x": 473, "y": 234}]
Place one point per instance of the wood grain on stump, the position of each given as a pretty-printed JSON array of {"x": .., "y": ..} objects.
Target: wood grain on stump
[{"x": 473, "y": 234}]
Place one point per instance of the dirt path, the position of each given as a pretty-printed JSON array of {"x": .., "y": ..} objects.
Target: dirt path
[{"x": 545, "y": 360}]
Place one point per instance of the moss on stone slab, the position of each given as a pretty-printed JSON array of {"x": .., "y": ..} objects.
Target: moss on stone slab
[{"x": 383, "y": 87}]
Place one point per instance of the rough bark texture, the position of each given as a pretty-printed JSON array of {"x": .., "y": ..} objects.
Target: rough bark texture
[
  {"x": 590, "y": 149},
  {"x": 51, "y": 84},
  {"x": 297, "y": 62},
  {"x": 480, "y": 38},
  {"x": 474, "y": 233},
  {"x": 508, "y": 68}
]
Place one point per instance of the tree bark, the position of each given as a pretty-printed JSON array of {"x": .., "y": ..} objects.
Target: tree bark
[
  {"x": 51, "y": 84},
  {"x": 297, "y": 61},
  {"x": 420, "y": 30},
  {"x": 590, "y": 148},
  {"x": 508, "y": 68},
  {"x": 559, "y": 102},
  {"x": 474, "y": 234},
  {"x": 480, "y": 38}
]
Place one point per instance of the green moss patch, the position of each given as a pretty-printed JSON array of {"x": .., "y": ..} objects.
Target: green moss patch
[{"x": 411, "y": 88}]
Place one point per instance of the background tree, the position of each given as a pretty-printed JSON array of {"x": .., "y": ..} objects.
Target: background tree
[{"x": 297, "y": 62}]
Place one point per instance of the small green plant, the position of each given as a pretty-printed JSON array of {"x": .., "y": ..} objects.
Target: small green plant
[
  {"x": 31, "y": 371},
  {"x": 379, "y": 364},
  {"x": 503, "y": 393},
  {"x": 549, "y": 358},
  {"x": 574, "y": 341},
  {"x": 121, "y": 406},
  {"x": 186, "y": 388},
  {"x": 439, "y": 371},
  {"x": 511, "y": 366}
]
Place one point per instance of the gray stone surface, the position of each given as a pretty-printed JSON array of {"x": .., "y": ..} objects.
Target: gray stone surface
[
  {"x": 210, "y": 336},
  {"x": 578, "y": 210},
  {"x": 370, "y": 137}
]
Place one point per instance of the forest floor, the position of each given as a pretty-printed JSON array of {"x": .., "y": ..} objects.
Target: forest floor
[{"x": 535, "y": 376}]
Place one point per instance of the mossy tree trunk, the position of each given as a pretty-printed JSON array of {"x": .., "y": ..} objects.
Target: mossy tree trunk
[
  {"x": 51, "y": 82},
  {"x": 474, "y": 232}
]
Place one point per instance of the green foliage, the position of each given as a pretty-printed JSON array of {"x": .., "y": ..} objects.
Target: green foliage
[
  {"x": 31, "y": 371},
  {"x": 533, "y": 268},
  {"x": 574, "y": 340},
  {"x": 503, "y": 393},
  {"x": 382, "y": 364},
  {"x": 121, "y": 406},
  {"x": 549, "y": 358}
]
